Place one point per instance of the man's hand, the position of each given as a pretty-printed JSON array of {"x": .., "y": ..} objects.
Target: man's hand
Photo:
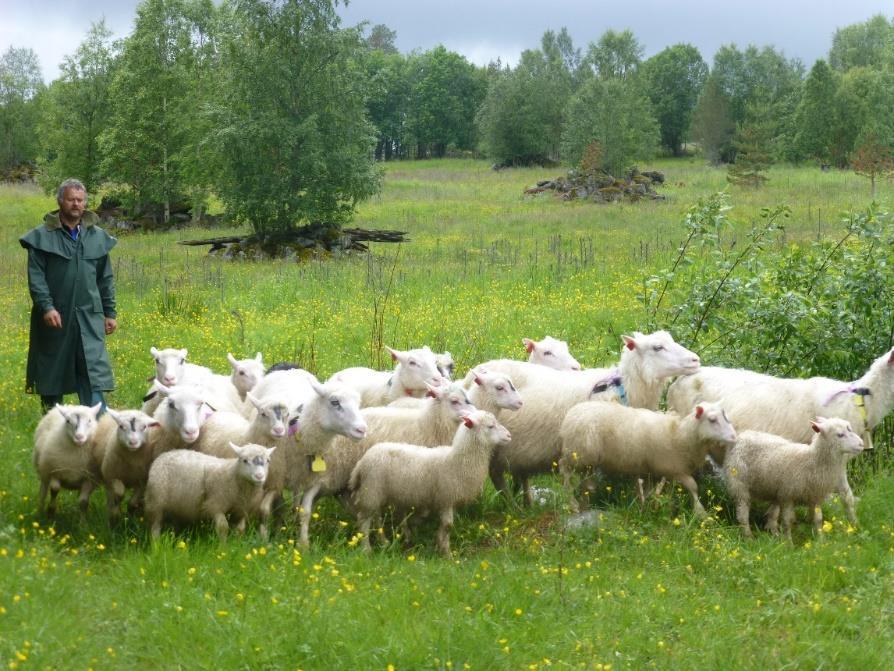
[
  {"x": 111, "y": 325},
  {"x": 52, "y": 318}
]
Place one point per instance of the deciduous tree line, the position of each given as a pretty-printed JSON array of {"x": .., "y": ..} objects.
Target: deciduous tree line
[{"x": 282, "y": 112}]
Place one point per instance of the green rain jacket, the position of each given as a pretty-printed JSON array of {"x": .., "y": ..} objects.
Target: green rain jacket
[{"x": 75, "y": 278}]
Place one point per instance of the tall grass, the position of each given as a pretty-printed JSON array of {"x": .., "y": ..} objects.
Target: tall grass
[{"x": 484, "y": 267}]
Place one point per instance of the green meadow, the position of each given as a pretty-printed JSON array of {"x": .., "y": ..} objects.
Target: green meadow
[{"x": 484, "y": 267}]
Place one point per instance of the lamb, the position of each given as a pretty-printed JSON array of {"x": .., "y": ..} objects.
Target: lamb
[
  {"x": 647, "y": 361},
  {"x": 434, "y": 479},
  {"x": 171, "y": 369},
  {"x": 127, "y": 455},
  {"x": 550, "y": 352},
  {"x": 635, "y": 441},
  {"x": 762, "y": 465},
  {"x": 414, "y": 370},
  {"x": 294, "y": 386},
  {"x": 433, "y": 423},
  {"x": 445, "y": 364},
  {"x": 65, "y": 455},
  {"x": 246, "y": 374},
  {"x": 490, "y": 391},
  {"x": 191, "y": 486},
  {"x": 786, "y": 406},
  {"x": 180, "y": 415}
]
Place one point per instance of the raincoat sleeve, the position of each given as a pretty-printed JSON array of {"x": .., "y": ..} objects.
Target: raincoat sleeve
[
  {"x": 37, "y": 281},
  {"x": 105, "y": 282}
]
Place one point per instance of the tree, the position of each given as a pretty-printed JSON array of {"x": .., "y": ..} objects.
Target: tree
[
  {"x": 815, "y": 126},
  {"x": 446, "y": 91},
  {"x": 617, "y": 115},
  {"x": 873, "y": 157},
  {"x": 76, "y": 112},
  {"x": 152, "y": 142},
  {"x": 867, "y": 44},
  {"x": 382, "y": 38},
  {"x": 675, "y": 77},
  {"x": 291, "y": 138},
  {"x": 20, "y": 88},
  {"x": 752, "y": 155},
  {"x": 712, "y": 122},
  {"x": 388, "y": 92},
  {"x": 615, "y": 55}
]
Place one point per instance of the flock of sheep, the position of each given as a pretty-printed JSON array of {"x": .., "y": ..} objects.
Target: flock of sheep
[{"x": 227, "y": 448}]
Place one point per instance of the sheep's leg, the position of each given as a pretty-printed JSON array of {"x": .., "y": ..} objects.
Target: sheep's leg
[
  {"x": 55, "y": 486},
  {"x": 363, "y": 521},
  {"x": 240, "y": 526},
  {"x": 222, "y": 526},
  {"x": 743, "y": 504},
  {"x": 307, "y": 505},
  {"x": 772, "y": 522},
  {"x": 87, "y": 488},
  {"x": 498, "y": 477},
  {"x": 818, "y": 519},
  {"x": 526, "y": 488},
  {"x": 136, "y": 499},
  {"x": 788, "y": 517},
  {"x": 444, "y": 531},
  {"x": 850, "y": 501},
  {"x": 640, "y": 494},
  {"x": 689, "y": 483},
  {"x": 567, "y": 470},
  {"x": 656, "y": 492},
  {"x": 42, "y": 495},
  {"x": 154, "y": 519},
  {"x": 113, "y": 501}
]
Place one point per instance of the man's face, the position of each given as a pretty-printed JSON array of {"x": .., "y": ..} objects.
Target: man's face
[{"x": 73, "y": 203}]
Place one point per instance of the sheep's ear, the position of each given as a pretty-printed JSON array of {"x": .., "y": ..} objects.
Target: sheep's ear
[
  {"x": 468, "y": 421},
  {"x": 153, "y": 423},
  {"x": 96, "y": 409},
  {"x": 318, "y": 388},
  {"x": 529, "y": 344},
  {"x": 699, "y": 411},
  {"x": 433, "y": 392},
  {"x": 270, "y": 451},
  {"x": 153, "y": 351},
  {"x": 396, "y": 355},
  {"x": 162, "y": 389},
  {"x": 891, "y": 358},
  {"x": 254, "y": 401},
  {"x": 235, "y": 448},
  {"x": 629, "y": 341},
  {"x": 817, "y": 423},
  {"x": 232, "y": 360},
  {"x": 259, "y": 358},
  {"x": 184, "y": 352},
  {"x": 114, "y": 415},
  {"x": 62, "y": 411}
]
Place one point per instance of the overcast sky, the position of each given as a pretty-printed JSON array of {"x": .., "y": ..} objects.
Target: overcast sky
[{"x": 483, "y": 30}]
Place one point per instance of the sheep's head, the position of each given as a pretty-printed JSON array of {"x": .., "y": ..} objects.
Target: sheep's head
[
  {"x": 838, "y": 434},
  {"x": 339, "y": 410},
  {"x": 169, "y": 365},
  {"x": 133, "y": 428},
  {"x": 453, "y": 398},
  {"x": 488, "y": 428},
  {"x": 660, "y": 355},
  {"x": 550, "y": 352},
  {"x": 416, "y": 368},
  {"x": 253, "y": 462},
  {"x": 273, "y": 414},
  {"x": 713, "y": 424},
  {"x": 80, "y": 421},
  {"x": 246, "y": 373},
  {"x": 186, "y": 411},
  {"x": 499, "y": 388}
]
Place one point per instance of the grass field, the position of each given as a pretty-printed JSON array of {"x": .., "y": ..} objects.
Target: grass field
[{"x": 650, "y": 588}]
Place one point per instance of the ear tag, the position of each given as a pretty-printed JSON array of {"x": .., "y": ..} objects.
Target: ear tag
[{"x": 318, "y": 465}]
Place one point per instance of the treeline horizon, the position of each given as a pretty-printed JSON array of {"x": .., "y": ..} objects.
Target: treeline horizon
[{"x": 284, "y": 113}]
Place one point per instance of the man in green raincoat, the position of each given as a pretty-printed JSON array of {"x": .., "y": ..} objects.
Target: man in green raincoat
[{"x": 73, "y": 291}]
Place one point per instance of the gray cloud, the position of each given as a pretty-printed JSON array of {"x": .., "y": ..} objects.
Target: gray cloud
[{"x": 483, "y": 30}]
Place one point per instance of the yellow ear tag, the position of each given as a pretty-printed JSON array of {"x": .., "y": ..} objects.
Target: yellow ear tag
[{"x": 318, "y": 465}]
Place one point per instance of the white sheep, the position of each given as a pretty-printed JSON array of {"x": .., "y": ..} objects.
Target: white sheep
[
  {"x": 180, "y": 415},
  {"x": 65, "y": 455},
  {"x": 292, "y": 385},
  {"x": 191, "y": 486},
  {"x": 414, "y": 370},
  {"x": 171, "y": 369},
  {"x": 434, "y": 479},
  {"x": 247, "y": 373},
  {"x": 550, "y": 352},
  {"x": 127, "y": 455},
  {"x": 620, "y": 440},
  {"x": 432, "y": 423},
  {"x": 445, "y": 364},
  {"x": 786, "y": 406},
  {"x": 491, "y": 391},
  {"x": 765, "y": 466},
  {"x": 647, "y": 362}
]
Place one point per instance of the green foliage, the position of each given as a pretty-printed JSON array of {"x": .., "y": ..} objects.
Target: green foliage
[
  {"x": 616, "y": 55},
  {"x": 291, "y": 140},
  {"x": 873, "y": 157},
  {"x": 752, "y": 155},
  {"x": 712, "y": 122},
  {"x": 815, "y": 125},
  {"x": 387, "y": 98},
  {"x": 20, "y": 88},
  {"x": 76, "y": 111},
  {"x": 868, "y": 44},
  {"x": 821, "y": 307},
  {"x": 674, "y": 78},
  {"x": 152, "y": 142},
  {"x": 382, "y": 38},
  {"x": 616, "y": 114}
]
